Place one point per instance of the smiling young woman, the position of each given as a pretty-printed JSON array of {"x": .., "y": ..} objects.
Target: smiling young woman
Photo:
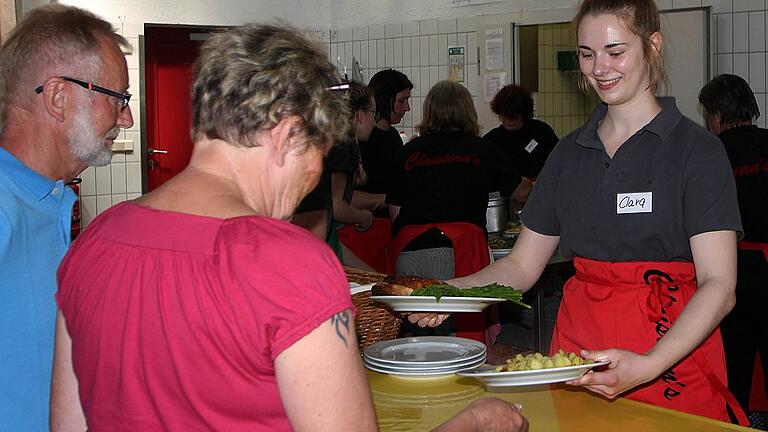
[{"x": 653, "y": 279}]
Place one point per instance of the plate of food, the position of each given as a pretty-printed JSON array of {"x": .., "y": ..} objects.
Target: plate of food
[
  {"x": 534, "y": 369},
  {"x": 413, "y": 294},
  {"x": 501, "y": 243},
  {"x": 431, "y": 304},
  {"x": 513, "y": 228}
]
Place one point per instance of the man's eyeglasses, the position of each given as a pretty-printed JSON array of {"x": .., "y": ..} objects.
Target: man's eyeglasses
[{"x": 124, "y": 98}]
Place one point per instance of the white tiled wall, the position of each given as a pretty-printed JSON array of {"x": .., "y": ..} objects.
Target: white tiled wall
[
  {"x": 559, "y": 101},
  {"x": 419, "y": 49},
  {"x": 739, "y": 45}
]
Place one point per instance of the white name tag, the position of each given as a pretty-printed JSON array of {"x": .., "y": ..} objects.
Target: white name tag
[
  {"x": 638, "y": 202},
  {"x": 531, "y": 145}
]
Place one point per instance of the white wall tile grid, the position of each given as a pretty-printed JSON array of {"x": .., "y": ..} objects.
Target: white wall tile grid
[
  {"x": 739, "y": 44},
  {"x": 419, "y": 49}
]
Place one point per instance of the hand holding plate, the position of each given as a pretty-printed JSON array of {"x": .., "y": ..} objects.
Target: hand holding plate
[
  {"x": 626, "y": 370},
  {"x": 427, "y": 319}
]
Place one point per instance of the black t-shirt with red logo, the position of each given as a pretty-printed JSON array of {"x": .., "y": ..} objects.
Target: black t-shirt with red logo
[
  {"x": 747, "y": 148},
  {"x": 447, "y": 178}
]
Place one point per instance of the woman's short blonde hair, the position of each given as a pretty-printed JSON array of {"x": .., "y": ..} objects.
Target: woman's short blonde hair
[
  {"x": 641, "y": 18},
  {"x": 250, "y": 78},
  {"x": 448, "y": 107}
]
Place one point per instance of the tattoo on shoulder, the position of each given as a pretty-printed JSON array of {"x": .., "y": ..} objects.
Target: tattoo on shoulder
[{"x": 340, "y": 321}]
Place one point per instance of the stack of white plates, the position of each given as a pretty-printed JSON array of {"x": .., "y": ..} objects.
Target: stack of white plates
[{"x": 426, "y": 356}]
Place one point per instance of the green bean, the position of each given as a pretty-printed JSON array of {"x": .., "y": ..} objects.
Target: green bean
[{"x": 493, "y": 290}]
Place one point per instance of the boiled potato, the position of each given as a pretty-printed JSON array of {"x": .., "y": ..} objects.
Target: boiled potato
[{"x": 537, "y": 361}]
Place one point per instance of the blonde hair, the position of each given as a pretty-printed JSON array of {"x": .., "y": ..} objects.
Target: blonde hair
[
  {"x": 250, "y": 78},
  {"x": 448, "y": 107},
  {"x": 641, "y": 18}
]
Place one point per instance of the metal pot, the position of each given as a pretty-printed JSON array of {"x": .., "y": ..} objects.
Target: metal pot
[{"x": 497, "y": 213}]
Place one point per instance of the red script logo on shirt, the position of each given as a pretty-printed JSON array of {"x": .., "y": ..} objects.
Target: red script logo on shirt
[
  {"x": 751, "y": 169},
  {"x": 420, "y": 159}
]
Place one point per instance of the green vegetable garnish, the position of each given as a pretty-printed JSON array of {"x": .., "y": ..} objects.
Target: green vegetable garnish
[{"x": 493, "y": 290}]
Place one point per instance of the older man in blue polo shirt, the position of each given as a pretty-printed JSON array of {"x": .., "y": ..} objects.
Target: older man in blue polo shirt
[{"x": 63, "y": 101}]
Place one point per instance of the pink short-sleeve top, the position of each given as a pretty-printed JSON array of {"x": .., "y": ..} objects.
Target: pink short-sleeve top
[{"x": 176, "y": 319}]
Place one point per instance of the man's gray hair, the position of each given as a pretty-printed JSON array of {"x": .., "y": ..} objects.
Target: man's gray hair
[{"x": 56, "y": 39}]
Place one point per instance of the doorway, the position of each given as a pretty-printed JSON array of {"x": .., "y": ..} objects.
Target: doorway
[{"x": 169, "y": 55}]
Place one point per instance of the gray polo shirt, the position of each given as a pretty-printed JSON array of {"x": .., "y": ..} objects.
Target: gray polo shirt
[{"x": 667, "y": 183}]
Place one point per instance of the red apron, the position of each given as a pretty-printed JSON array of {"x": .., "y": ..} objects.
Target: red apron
[
  {"x": 629, "y": 306},
  {"x": 470, "y": 245},
  {"x": 470, "y": 255},
  {"x": 754, "y": 246},
  {"x": 370, "y": 245}
]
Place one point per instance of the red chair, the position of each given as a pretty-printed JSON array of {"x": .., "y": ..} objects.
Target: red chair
[{"x": 470, "y": 254}]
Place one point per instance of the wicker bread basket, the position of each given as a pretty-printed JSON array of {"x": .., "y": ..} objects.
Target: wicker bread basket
[{"x": 374, "y": 322}]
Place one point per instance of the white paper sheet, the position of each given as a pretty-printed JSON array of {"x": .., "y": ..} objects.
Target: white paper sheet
[
  {"x": 494, "y": 53},
  {"x": 492, "y": 83}
]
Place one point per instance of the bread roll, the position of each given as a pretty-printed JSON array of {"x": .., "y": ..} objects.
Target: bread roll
[
  {"x": 401, "y": 285},
  {"x": 388, "y": 289}
]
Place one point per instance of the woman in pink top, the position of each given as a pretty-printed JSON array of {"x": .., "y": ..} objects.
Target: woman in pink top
[{"x": 198, "y": 306}]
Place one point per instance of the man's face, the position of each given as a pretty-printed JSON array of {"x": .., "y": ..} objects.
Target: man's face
[
  {"x": 100, "y": 117},
  {"x": 86, "y": 144},
  {"x": 511, "y": 123},
  {"x": 400, "y": 106}
]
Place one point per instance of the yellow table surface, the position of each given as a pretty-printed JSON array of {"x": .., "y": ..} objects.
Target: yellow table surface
[{"x": 417, "y": 404}]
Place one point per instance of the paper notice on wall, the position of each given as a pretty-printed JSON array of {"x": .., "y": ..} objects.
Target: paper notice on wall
[
  {"x": 456, "y": 63},
  {"x": 494, "y": 52},
  {"x": 492, "y": 83}
]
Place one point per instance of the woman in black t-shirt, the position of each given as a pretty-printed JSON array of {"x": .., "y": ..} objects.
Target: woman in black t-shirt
[
  {"x": 446, "y": 175},
  {"x": 381, "y": 151}
]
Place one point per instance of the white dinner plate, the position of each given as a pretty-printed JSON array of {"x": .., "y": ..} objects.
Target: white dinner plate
[
  {"x": 424, "y": 372},
  {"x": 430, "y": 304},
  {"x": 355, "y": 288},
  {"x": 474, "y": 361},
  {"x": 500, "y": 253},
  {"x": 493, "y": 379},
  {"x": 507, "y": 234},
  {"x": 425, "y": 350}
]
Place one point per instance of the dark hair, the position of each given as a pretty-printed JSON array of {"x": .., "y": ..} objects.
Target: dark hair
[
  {"x": 359, "y": 97},
  {"x": 250, "y": 78},
  {"x": 512, "y": 101},
  {"x": 731, "y": 98},
  {"x": 641, "y": 18},
  {"x": 386, "y": 84},
  {"x": 52, "y": 39},
  {"x": 448, "y": 107}
]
